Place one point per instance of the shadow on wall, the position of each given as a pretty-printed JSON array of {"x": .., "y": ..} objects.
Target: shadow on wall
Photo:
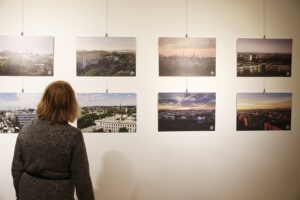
[
  {"x": 179, "y": 178},
  {"x": 118, "y": 181},
  {"x": 117, "y": 178}
]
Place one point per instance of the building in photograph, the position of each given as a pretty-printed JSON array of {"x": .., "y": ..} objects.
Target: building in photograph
[
  {"x": 86, "y": 58},
  {"x": 114, "y": 124},
  {"x": 25, "y": 117}
]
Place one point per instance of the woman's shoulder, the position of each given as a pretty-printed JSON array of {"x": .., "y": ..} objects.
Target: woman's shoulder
[
  {"x": 73, "y": 129},
  {"x": 44, "y": 125},
  {"x": 74, "y": 133},
  {"x": 28, "y": 125}
]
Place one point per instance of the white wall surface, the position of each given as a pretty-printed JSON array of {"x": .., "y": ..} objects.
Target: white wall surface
[{"x": 220, "y": 165}]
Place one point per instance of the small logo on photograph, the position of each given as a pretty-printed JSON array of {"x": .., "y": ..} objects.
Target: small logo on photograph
[{"x": 287, "y": 127}]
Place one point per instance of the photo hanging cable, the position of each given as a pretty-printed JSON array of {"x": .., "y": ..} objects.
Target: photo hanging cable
[
  {"x": 264, "y": 18},
  {"x": 264, "y": 91},
  {"x": 23, "y": 85},
  {"x": 186, "y": 35},
  {"x": 22, "y": 19},
  {"x": 264, "y": 37},
  {"x": 186, "y": 18},
  {"x": 186, "y": 85},
  {"x": 106, "y": 35},
  {"x": 106, "y": 18},
  {"x": 106, "y": 84}
]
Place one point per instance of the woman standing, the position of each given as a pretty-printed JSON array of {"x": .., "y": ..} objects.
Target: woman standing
[{"x": 50, "y": 159}]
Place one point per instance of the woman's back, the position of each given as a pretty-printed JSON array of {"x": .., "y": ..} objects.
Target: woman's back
[
  {"x": 47, "y": 147},
  {"x": 50, "y": 159}
]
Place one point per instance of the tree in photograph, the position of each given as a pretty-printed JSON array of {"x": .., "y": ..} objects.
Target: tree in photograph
[
  {"x": 123, "y": 129},
  {"x": 86, "y": 121}
]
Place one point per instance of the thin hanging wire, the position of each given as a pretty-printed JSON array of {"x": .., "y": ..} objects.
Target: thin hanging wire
[
  {"x": 186, "y": 35},
  {"x": 106, "y": 84},
  {"x": 264, "y": 91},
  {"x": 106, "y": 17},
  {"x": 106, "y": 35},
  {"x": 23, "y": 85},
  {"x": 186, "y": 85},
  {"x": 186, "y": 18},
  {"x": 264, "y": 37},
  {"x": 264, "y": 20},
  {"x": 22, "y": 19}
]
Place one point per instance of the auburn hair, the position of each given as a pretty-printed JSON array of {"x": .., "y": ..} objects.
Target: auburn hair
[{"x": 58, "y": 104}]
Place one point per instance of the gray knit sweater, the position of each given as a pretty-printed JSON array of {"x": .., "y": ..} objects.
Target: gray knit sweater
[{"x": 50, "y": 162}]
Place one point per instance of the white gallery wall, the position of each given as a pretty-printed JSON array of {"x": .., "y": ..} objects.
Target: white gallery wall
[{"x": 151, "y": 165}]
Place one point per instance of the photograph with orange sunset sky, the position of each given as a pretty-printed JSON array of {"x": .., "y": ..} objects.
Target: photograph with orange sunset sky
[
  {"x": 186, "y": 111},
  {"x": 264, "y": 111},
  {"x": 187, "y": 56}
]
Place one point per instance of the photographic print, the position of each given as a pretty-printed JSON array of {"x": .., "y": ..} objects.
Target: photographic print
[
  {"x": 187, "y": 56},
  {"x": 264, "y": 111},
  {"x": 107, "y": 112},
  {"x": 16, "y": 109},
  {"x": 105, "y": 56},
  {"x": 26, "y": 55},
  {"x": 186, "y": 111},
  {"x": 264, "y": 57}
]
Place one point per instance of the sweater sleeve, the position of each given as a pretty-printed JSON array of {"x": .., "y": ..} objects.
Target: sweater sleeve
[
  {"x": 17, "y": 165},
  {"x": 80, "y": 170}
]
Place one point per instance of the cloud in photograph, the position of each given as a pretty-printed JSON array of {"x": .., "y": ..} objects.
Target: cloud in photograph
[
  {"x": 106, "y": 99},
  {"x": 248, "y": 101},
  {"x": 15, "y": 101},
  {"x": 106, "y": 43},
  {"x": 187, "y": 101},
  {"x": 252, "y": 45},
  {"x": 200, "y": 47},
  {"x": 27, "y": 44}
]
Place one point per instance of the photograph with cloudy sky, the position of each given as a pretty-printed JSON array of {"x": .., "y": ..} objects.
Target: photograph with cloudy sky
[
  {"x": 106, "y": 56},
  {"x": 26, "y": 55},
  {"x": 19, "y": 101},
  {"x": 107, "y": 112},
  {"x": 264, "y": 111},
  {"x": 17, "y": 109},
  {"x": 187, "y": 56},
  {"x": 186, "y": 111}
]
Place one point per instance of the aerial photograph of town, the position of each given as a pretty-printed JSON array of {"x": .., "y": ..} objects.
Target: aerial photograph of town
[
  {"x": 107, "y": 112},
  {"x": 26, "y": 55},
  {"x": 106, "y": 56},
  {"x": 187, "y": 56},
  {"x": 16, "y": 109},
  {"x": 264, "y": 57},
  {"x": 186, "y": 111},
  {"x": 264, "y": 111}
]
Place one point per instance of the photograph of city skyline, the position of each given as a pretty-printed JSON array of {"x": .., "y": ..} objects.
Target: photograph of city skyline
[
  {"x": 26, "y": 55},
  {"x": 16, "y": 109},
  {"x": 186, "y": 111},
  {"x": 264, "y": 57},
  {"x": 187, "y": 56},
  {"x": 107, "y": 112},
  {"x": 106, "y": 56},
  {"x": 264, "y": 111}
]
